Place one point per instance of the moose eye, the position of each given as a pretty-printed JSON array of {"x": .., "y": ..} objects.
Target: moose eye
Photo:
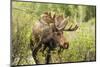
[{"x": 58, "y": 33}]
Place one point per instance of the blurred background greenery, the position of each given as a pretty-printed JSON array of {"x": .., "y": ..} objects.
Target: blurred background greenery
[{"x": 82, "y": 42}]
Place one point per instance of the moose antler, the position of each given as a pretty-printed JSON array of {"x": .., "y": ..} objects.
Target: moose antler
[
  {"x": 71, "y": 29},
  {"x": 61, "y": 22},
  {"x": 47, "y": 18}
]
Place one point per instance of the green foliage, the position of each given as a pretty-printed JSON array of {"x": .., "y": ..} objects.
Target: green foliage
[
  {"x": 82, "y": 42},
  {"x": 82, "y": 47}
]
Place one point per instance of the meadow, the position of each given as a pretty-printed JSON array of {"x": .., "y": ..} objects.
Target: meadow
[{"x": 82, "y": 42}]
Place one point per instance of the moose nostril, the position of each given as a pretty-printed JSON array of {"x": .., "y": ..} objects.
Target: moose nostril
[{"x": 66, "y": 45}]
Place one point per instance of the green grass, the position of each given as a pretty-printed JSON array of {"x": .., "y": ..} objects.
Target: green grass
[{"x": 81, "y": 42}]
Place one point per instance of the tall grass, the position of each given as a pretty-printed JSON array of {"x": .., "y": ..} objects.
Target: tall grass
[{"x": 24, "y": 15}]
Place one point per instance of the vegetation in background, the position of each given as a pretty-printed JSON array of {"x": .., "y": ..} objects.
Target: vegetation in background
[{"x": 82, "y": 42}]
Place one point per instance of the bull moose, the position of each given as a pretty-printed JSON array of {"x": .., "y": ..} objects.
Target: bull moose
[{"x": 47, "y": 34}]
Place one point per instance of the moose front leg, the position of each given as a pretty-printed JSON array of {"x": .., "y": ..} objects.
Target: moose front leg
[
  {"x": 34, "y": 53},
  {"x": 60, "y": 51},
  {"x": 48, "y": 56}
]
